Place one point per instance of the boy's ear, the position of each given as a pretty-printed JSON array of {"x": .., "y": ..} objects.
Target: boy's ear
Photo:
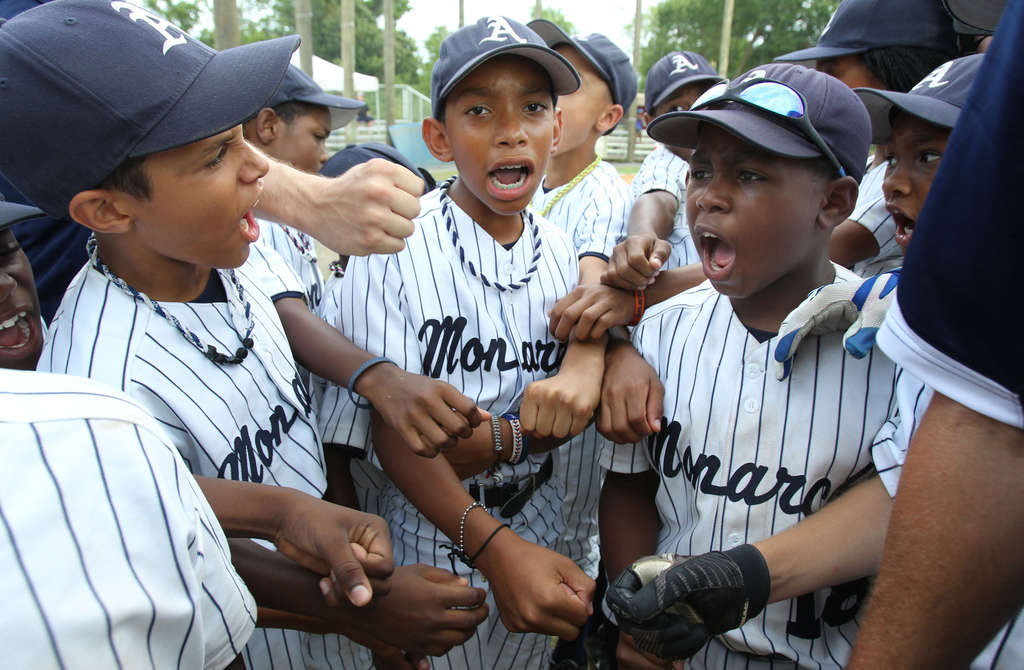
[
  {"x": 557, "y": 129},
  {"x": 264, "y": 128},
  {"x": 101, "y": 210},
  {"x": 611, "y": 115},
  {"x": 838, "y": 203},
  {"x": 435, "y": 136}
]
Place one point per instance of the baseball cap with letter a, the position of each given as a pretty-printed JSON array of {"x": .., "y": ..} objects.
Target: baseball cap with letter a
[
  {"x": 673, "y": 71},
  {"x": 465, "y": 49},
  {"x": 86, "y": 84}
]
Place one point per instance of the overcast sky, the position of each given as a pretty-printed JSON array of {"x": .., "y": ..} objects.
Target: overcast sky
[{"x": 588, "y": 16}]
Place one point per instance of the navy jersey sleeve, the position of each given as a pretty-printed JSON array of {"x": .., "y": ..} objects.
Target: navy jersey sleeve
[{"x": 958, "y": 295}]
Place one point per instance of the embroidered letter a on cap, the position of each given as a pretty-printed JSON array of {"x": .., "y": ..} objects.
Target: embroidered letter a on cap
[
  {"x": 935, "y": 77},
  {"x": 158, "y": 24},
  {"x": 501, "y": 31},
  {"x": 682, "y": 64}
]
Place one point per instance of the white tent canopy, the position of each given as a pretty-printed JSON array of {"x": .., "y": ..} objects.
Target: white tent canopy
[{"x": 331, "y": 77}]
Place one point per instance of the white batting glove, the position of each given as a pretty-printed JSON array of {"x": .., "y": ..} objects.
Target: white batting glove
[{"x": 857, "y": 308}]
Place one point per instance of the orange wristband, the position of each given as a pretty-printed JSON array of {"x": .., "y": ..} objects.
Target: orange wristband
[{"x": 639, "y": 304}]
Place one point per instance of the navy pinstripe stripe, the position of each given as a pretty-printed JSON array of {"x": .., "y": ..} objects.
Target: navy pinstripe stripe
[
  {"x": 12, "y": 541},
  {"x": 78, "y": 548},
  {"x": 124, "y": 546}
]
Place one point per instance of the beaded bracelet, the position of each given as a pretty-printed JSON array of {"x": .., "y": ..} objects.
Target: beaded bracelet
[
  {"x": 459, "y": 548},
  {"x": 639, "y": 304},
  {"x": 358, "y": 373},
  {"x": 496, "y": 430}
]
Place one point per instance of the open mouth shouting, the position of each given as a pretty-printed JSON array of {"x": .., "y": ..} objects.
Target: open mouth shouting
[
  {"x": 250, "y": 228},
  {"x": 904, "y": 226},
  {"x": 717, "y": 255},
  {"x": 20, "y": 338},
  {"x": 508, "y": 181}
]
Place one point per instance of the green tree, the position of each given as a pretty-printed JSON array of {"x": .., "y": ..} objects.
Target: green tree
[
  {"x": 433, "y": 48},
  {"x": 280, "y": 20},
  {"x": 556, "y": 17},
  {"x": 761, "y": 30}
]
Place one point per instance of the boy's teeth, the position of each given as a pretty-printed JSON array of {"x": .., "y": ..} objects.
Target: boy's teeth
[
  {"x": 509, "y": 176},
  {"x": 9, "y": 323}
]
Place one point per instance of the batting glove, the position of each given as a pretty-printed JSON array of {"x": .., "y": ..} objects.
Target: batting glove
[
  {"x": 857, "y": 308},
  {"x": 673, "y": 605}
]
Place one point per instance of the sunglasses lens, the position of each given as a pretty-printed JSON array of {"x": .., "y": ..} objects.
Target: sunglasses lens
[
  {"x": 774, "y": 97},
  {"x": 709, "y": 95}
]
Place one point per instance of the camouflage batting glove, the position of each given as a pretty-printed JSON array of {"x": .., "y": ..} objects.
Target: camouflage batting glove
[{"x": 673, "y": 605}]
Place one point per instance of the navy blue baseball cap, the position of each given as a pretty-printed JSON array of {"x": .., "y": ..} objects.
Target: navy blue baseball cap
[
  {"x": 299, "y": 86},
  {"x": 611, "y": 62},
  {"x": 86, "y": 84},
  {"x": 980, "y": 15},
  {"x": 834, "y": 111},
  {"x": 937, "y": 98},
  {"x": 674, "y": 71},
  {"x": 12, "y": 213},
  {"x": 465, "y": 49},
  {"x": 354, "y": 154},
  {"x": 860, "y": 25}
]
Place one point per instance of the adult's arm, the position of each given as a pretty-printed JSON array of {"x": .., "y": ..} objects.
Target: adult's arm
[
  {"x": 951, "y": 572},
  {"x": 367, "y": 210}
]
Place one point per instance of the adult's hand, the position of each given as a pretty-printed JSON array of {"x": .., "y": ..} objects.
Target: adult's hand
[{"x": 367, "y": 210}]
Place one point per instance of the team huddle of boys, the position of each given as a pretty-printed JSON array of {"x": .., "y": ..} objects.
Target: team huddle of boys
[{"x": 559, "y": 375}]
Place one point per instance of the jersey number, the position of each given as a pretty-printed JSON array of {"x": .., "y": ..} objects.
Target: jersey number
[{"x": 841, "y": 606}]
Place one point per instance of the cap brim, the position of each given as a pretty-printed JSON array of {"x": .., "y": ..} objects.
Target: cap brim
[
  {"x": 880, "y": 103},
  {"x": 978, "y": 14},
  {"x": 12, "y": 213},
  {"x": 818, "y": 53},
  {"x": 564, "y": 78},
  {"x": 342, "y": 109},
  {"x": 681, "y": 129},
  {"x": 233, "y": 86},
  {"x": 554, "y": 37},
  {"x": 665, "y": 95}
]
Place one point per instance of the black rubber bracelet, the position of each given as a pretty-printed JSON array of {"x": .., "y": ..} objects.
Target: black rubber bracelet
[
  {"x": 756, "y": 578},
  {"x": 472, "y": 560}
]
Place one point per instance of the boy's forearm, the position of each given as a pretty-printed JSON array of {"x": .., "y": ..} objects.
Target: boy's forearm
[
  {"x": 653, "y": 214},
  {"x": 316, "y": 345},
  {"x": 837, "y": 544},
  {"x": 431, "y": 486},
  {"x": 289, "y": 595},
  {"x": 628, "y": 519},
  {"x": 244, "y": 509},
  {"x": 676, "y": 280}
]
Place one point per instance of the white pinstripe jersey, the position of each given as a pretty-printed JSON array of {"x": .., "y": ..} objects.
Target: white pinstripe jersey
[
  {"x": 299, "y": 251},
  {"x": 1006, "y": 650},
  {"x": 110, "y": 555},
  {"x": 593, "y": 213},
  {"x": 870, "y": 212},
  {"x": 250, "y": 422},
  {"x": 421, "y": 308},
  {"x": 742, "y": 456},
  {"x": 662, "y": 170},
  {"x": 600, "y": 201}
]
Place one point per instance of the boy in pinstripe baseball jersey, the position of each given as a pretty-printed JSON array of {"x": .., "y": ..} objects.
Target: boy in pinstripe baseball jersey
[
  {"x": 659, "y": 187},
  {"x": 167, "y": 191},
  {"x": 740, "y": 456},
  {"x": 293, "y": 127},
  {"x": 466, "y": 301},
  {"x": 307, "y": 529},
  {"x": 888, "y": 46},
  {"x": 585, "y": 196}
]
